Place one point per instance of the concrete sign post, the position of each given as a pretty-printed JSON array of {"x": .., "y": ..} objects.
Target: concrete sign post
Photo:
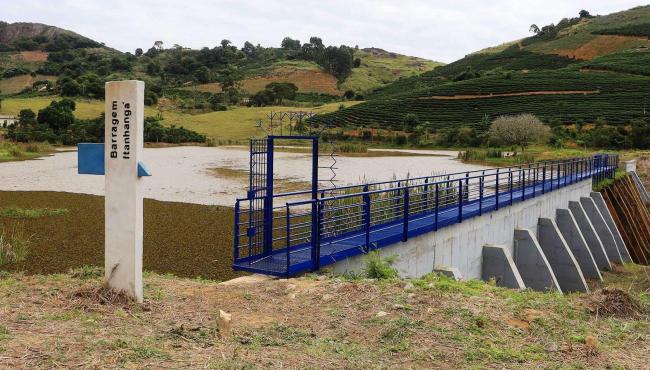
[
  {"x": 124, "y": 130},
  {"x": 119, "y": 159}
]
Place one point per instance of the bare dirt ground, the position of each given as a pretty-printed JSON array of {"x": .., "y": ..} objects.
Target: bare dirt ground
[
  {"x": 601, "y": 45},
  {"x": 67, "y": 321}
]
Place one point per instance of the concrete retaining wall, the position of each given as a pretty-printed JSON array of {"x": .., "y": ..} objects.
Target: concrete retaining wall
[{"x": 461, "y": 245}]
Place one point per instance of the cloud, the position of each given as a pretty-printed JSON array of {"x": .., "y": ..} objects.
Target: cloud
[{"x": 443, "y": 30}]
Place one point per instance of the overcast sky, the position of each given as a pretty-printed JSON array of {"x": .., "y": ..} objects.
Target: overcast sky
[{"x": 443, "y": 30}]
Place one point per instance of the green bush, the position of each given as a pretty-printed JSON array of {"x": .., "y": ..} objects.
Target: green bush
[{"x": 378, "y": 268}]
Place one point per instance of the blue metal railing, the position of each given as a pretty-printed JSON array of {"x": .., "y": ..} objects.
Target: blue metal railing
[{"x": 350, "y": 220}]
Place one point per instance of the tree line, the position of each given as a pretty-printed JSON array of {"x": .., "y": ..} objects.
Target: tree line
[{"x": 57, "y": 124}]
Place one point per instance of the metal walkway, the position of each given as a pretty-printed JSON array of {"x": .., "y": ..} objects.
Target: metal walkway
[{"x": 348, "y": 221}]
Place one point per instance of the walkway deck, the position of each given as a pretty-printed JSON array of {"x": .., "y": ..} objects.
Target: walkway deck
[{"x": 281, "y": 263}]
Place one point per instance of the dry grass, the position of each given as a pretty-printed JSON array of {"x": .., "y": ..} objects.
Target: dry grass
[
  {"x": 71, "y": 321},
  {"x": 307, "y": 79},
  {"x": 602, "y": 45},
  {"x": 17, "y": 84}
]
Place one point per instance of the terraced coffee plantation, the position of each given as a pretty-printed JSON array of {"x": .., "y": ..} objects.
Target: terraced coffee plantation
[{"x": 567, "y": 96}]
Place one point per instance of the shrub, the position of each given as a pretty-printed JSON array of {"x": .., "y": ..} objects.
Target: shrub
[
  {"x": 518, "y": 130},
  {"x": 378, "y": 268}
]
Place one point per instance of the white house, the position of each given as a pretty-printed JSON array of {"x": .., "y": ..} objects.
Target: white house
[{"x": 7, "y": 120}]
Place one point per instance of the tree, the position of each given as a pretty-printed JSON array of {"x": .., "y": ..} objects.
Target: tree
[
  {"x": 138, "y": 52},
  {"x": 534, "y": 29},
  {"x": 68, "y": 87},
  {"x": 158, "y": 45},
  {"x": 263, "y": 97},
  {"x": 249, "y": 49},
  {"x": 585, "y": 14},
  {"x": 357, "y": 63},
  {"x": 58, "y": 116},
  {"x": 203, "y": 75},
  {"x": 283, "y": 90},
  {"x": 229, "y": 80},
  {"x": 26, "y": 118},
  {"x": 409, "y": 121},
  {"x": 290, "y": 44},
  {"x": 518, "y": 130}
]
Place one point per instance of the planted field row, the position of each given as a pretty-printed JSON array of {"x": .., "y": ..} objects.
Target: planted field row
[
  {"x": 639, "y": 29},
  {"x": 635, "y": 62},
  {"x": 614, "y": 107},
  {"x": 538, "y": 81}
]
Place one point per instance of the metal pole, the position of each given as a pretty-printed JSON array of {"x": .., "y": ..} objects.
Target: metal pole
[
  {"x": 405, "y": 232},
  {"x": 460, "y": 200},
  {"x": 480, "y": 196},
  {"x": 544, "y": 179},
  {"x": 510, "y": 184},
  {"x": 268, "y": 206},
  {"x": 498, "y": 189},
  {"x": 288, "y": 222},
  {"x": 236, "y": 230},
  {"x": 366, "y": 211},
  {"x": 316, "y": 209},
  {"x": 437, "y": 207},
  {"x": 522, "y": 179},
  {"x": 426, "y": 195}
]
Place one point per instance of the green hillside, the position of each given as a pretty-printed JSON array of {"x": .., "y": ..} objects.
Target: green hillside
[
  {"x": 580, "y": 69},
  {"x": 80, "y": 66},
  {"x": 580, "y": 96}
]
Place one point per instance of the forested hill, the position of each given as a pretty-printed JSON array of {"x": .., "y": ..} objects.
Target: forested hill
[
  {"x": 37, "y": 58},
  {"x": 584, "y": 69}
]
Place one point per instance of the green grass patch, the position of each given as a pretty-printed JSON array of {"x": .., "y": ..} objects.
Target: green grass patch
[
  {"x": 10, "y": 151},
  {"x": 17, "y": 212},
  {"x": 380, "y": 268},
  {"x": 14, "y": 245}
]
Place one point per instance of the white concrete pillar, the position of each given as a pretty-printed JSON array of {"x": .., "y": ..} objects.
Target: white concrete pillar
[{"x": 123, "y": 202}]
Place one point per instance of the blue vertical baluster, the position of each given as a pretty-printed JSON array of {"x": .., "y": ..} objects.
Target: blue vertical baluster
[
  {"x": 316, "y": 209},
  {"x": 426, "y": 195},
  {"x": 480, "y": 194},
  {"x": 366, "y": 212},
  {"x": 497, "y": 189},
  {"x": 288, "y": 237},
  {"x": 460, "y": 200},
  {"x": 268, "y": 199},
  {"x": 405, "y": 233},
  {"x": 510, "y": 184},
  {"x": 236, "y": 230},
  {"x": 435, "y": 226},
  {"x": 397, "y": 199},
  {"x": 522, "y": 181},
  {"x": 544, "y": 178}
]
